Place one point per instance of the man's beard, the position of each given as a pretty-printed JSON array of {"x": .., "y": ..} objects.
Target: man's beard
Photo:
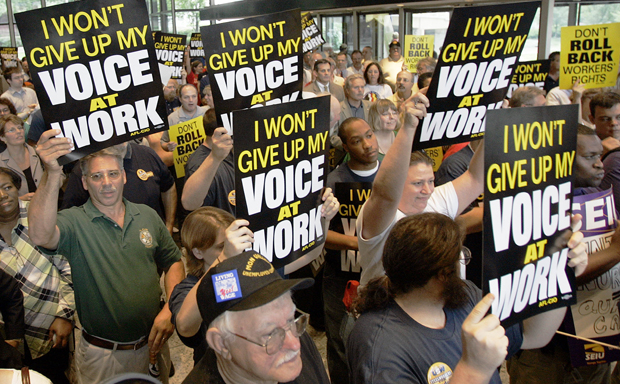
[{"x": 454, "y": 293}]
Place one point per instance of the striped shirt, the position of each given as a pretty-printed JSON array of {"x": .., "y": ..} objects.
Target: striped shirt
[{"x": 45, "y": 281}]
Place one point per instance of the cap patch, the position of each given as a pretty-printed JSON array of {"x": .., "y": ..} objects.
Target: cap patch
[
  {"x": 258, "y": 266},
  {"x": 226, "y": 286}
]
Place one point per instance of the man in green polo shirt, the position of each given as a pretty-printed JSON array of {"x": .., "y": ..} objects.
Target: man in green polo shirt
[{"x": 114, "y": 248}]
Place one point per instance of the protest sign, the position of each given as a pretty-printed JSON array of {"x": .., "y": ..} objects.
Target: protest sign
[
  {"x": 473, "y": 72},
  {"x": 529, "y": 73},
  {"x": 527, "y": 204},
  {"x": 595, "y": 316},
  {"x": 590, "y": 54},
  {"x": 280, "y": 170},
  {"x": 188, "y": 136},
  {"x": 351, "y": 197},
  {"x": 9, "y": 57},
  {"x": 310, "y": 33},
  {"x": 254, "y": 62},
  {"x": 196, "y": 49},
  {"x": 417, "y": 48},
  {"x": 95, "y": 72},
  {"x": 169, "y": 49}
]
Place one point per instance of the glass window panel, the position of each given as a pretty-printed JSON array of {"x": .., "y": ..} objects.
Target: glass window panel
[
  {"x": 190, "y": 4},
  {"x": 599, "y": 13},
  {"x": 530, "y": 48},
  {"x": 5, "y": 36},
  {"x": 187, "y": 23},
  {"x": 3, "y": 10},
  {"x": 49, "y": 3},
  {"x": 430, "y": 23},
  {"x": 377, "y": 31},
  {"x": 25, "y": 5},
  {"x": 337, "y": 30},
  {"x": 217, "y": 2}
]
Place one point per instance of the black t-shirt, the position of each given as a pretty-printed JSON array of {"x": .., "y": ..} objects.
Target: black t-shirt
[{"x": 222, "y": 189}]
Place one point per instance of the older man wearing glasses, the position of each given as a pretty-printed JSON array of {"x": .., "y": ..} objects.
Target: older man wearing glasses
[
  {"x": 255, "y": 334},
  {"x": 114, "y": 248}
]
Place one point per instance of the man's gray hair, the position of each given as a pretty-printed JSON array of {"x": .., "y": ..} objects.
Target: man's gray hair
[
  {"x": 348, "y": 82},
  {"x": 111, "y": 151}
]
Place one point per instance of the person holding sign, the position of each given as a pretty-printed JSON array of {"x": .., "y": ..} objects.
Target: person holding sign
[
  {"x": 19, "y": 156},
  {"x": 404, "y": 186},
  {"x": 605, "y": 114},
  {"x": 24, "y": 99},
  {"x": 114, "y": 248},
  {"x": 210, "y": 170},
  {"x": 421, "y": 323},
  {"x": 188, "y": 94}
]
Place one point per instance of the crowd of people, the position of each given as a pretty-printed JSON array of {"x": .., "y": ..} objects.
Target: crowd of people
[{"x": 88, "y": 245}]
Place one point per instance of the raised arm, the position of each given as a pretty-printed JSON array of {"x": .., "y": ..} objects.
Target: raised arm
[
  {"x": 198, "y": 184},
  {"x": 42, "y": 212},
  {"x": 169, "y": 198},
  {"x": 389, "y": 183}
]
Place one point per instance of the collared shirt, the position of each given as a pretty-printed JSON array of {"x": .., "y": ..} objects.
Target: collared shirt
[
  {"x": 21, "y": 100},
  {"x": 117, "y": 288},
  {"x": 352, "y": 71},
  {"x": 323, "y": 88},
  {"x": 357, "y": 111},
  {"x": 45, "y": 281}
]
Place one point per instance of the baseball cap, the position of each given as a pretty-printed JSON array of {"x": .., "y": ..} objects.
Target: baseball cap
[
  {"x": 394, "y": 43},
  {"x": 240, "y": 283}
]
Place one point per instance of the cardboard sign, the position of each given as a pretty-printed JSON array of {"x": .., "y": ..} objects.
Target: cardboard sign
[
  {"x": 529, "y": 155},
  {"x": 9, "y": 57},
  {"x": 310, "y": 33},
  {"x": 281, "y": 167},
  {"x": 95, "y": 72},
  {"x": 169, "y": 49},
  {"x": 188, "y": 136},
  {"x": 595, "y": 316},
  {"x": 417, "y": 48},
  {"x": 473, "y": 72},
  {"x": 196, "y": 49},
  {"x": 529, "y": 73},
  {"x": 590, "y": 53},
  {"x": 254, "y": 62}
]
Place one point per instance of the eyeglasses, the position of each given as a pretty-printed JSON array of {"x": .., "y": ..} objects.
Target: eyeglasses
[
  {"x": 275, "y": 340},
  {"x": 15, "y": 129},
  {"x": 465, "y": 257},
  {"x": 98, "y": 176}
]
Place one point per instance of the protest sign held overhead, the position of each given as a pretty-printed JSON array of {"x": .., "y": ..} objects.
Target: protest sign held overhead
[
  {"x": 595, "y": 316},
  {"x": 310, "y": 33},
  {"x": 473, "y": 72},
  {"x": 9, "y": 57},
  {"x": 169, "y": 49},
  {"x": 196, "y": 50},
  {"x": 280, "y": 171},
  {"x": 527, "y": 205},
  {"x": 529, "y": 73},
  {"x": 417, "y": 48},
  {"x": 188, "y": 136},
  {"x": 590, "y": 54},
  {"x": 254, "y": 62},
  {"x": 95, "y": 72}
]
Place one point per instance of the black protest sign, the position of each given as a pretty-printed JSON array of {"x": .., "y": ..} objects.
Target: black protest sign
[
  {"x": 9, "y": 58},
  {"x": 351, "y": 197},
  {"x": 529, "y": 155},
  {"x": 280, "y": 171},
  {"x": 473, "y": 72},
  {"x": 310, "y": 33},
  {"x": 169, "y": 49},
  {"x": 529, "y": 74},
  {"x": 196, "y": 50},
  {"x": 95, "y": 72},
  {"x": 254, "y": 62}
]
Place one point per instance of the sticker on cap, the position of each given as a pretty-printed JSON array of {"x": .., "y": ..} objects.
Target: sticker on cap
[{"x": 226, "y": 286}]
